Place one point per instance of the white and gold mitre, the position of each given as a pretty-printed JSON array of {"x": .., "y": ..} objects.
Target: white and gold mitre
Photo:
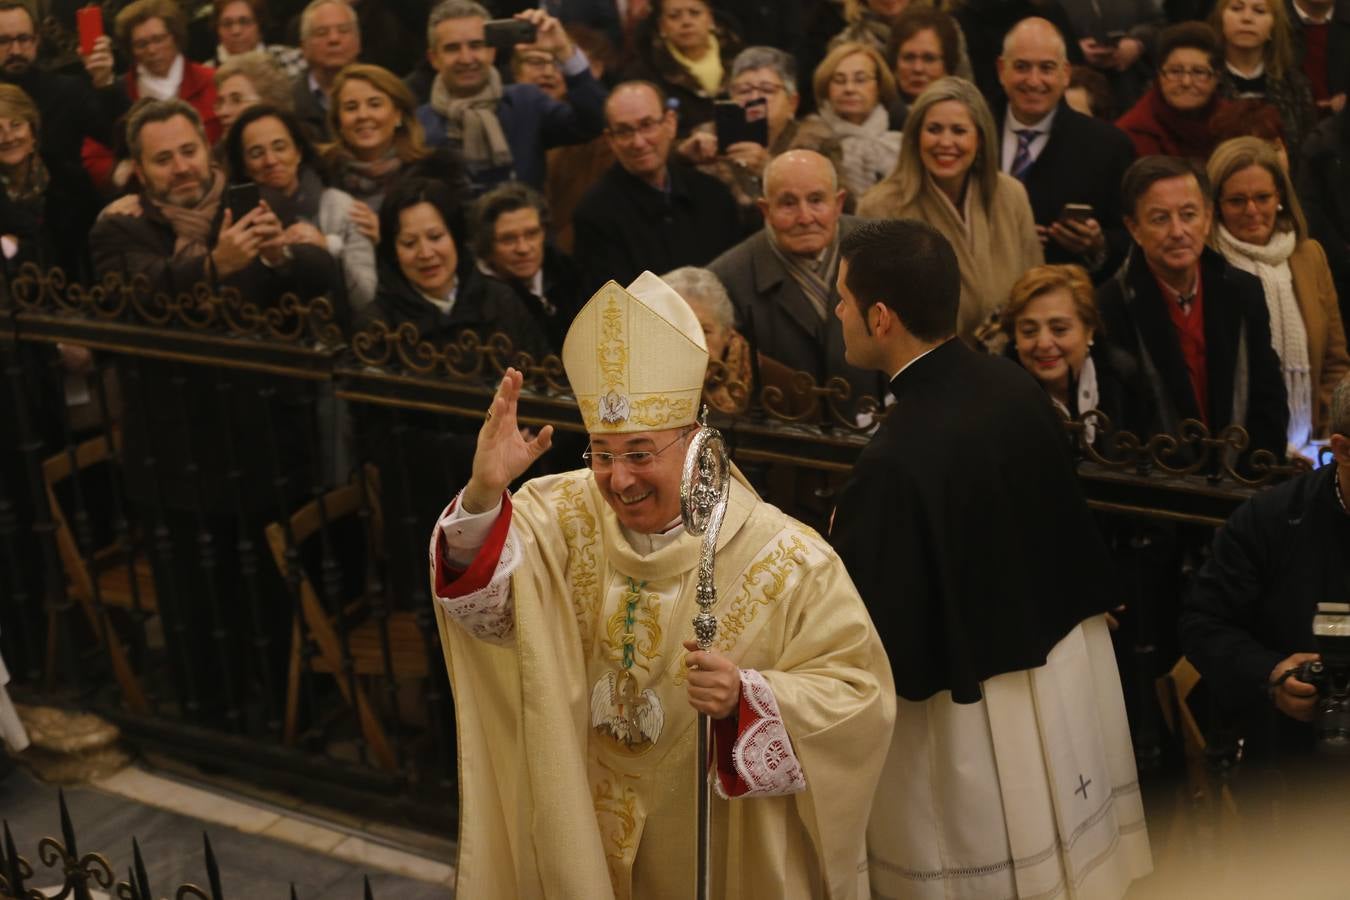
[{"x": 636, "y": 358}]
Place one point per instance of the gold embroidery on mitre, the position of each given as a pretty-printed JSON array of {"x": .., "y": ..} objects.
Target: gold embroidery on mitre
[
  {"x": 577, "y": 522},
  {"x": 611, "y": 351}
]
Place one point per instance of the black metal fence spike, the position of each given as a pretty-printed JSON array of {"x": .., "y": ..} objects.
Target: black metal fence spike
[
  {"x": 14, "y": 872},
  {"x": 369, "y": 895},
  {"x": 141, "y": 883},
  {"x": 67, "y": 829},
  {"x": 212, "y": 870}
]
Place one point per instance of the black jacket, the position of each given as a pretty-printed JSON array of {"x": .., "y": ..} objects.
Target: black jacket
[
  {"x": 482, "y": 305},
  {"x": 1252, "y": 604},
  {"x": 1324, "y": 190},
  {"x": 964, "y": 528},
  {"x": 71, "y": 110},
  {"x": 1239, "y": 355},
  {"x": 1338, "y": 46},
  {"x": 1082, "y": 162},
  {"x": 624, "y": 226},
  {"x": 562, "y": 290}
]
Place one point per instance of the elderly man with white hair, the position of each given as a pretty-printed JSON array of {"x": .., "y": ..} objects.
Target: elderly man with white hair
[
  {"x": 564, "y": 612},
  {"x": 782, "y": 279}
]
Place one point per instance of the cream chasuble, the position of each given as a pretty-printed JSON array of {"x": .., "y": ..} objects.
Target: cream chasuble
[{"x": 552, "y": 808}]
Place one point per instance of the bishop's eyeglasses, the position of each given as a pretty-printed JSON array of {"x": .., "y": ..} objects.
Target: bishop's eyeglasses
[{"x": 603, "y": 460}]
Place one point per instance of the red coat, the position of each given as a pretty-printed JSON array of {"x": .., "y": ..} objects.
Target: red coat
[
  {"x": 198, "y": 89},
  {"x": 1159, "y": 129}
]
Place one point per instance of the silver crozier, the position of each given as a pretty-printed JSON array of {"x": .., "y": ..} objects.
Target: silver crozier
[{"x": 703, "y": 502}]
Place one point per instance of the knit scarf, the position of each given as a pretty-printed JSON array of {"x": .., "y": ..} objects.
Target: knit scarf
[
  {"x": 1270, "y": 263},
  {"x": 868, "y": 154},
  {"x": 707, "y": 71},
  {"x": 164, "y": 88},
  {"x": 192, "y": 225},
  {"x": 26, "y": 183},
  {"x": 472, "y": 123},
  {"x": 364, "y": 180},
  {"x": 1189, "y": 129},
  {"x": 814, "y": 277}
]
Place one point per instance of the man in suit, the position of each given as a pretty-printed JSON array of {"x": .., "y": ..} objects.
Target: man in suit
[
  {"x": 330, "y": 37},
  {"x": 1321, "y": 33},
  {"x": 648, "y": 212},
  {"x": 1061, "y": 155},
  {"x": 964, "y": 529},
  {"x": 1196, "y": 327},
  {"x": 781, "y": 279}
]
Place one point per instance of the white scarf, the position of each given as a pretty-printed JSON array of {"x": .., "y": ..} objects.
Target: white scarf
[
  {"x": 1270, "y": 263},
  {"x": 161, "y": 88},
  {"x": 869, "y": 150}
]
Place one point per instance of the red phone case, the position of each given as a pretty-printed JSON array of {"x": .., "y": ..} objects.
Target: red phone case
[{"x": 90, "y": 22}]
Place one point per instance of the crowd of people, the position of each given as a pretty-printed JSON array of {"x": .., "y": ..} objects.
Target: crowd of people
[{"x": 597, "y": 141}]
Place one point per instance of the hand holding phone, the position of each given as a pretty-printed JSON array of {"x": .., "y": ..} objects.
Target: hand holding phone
[
  {"x": 1077, "y": 212},
  {"x": 504, "y": 34},
  {"x": 736, "y": 123},
  {"x": 241, "y": 199}
]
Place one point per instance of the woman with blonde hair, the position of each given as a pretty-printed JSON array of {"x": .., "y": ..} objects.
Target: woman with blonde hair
[
  {"x": 854, "y": 91},
  {"x": 1257, "y": 44},
  {"x": 250, "y": 79},
  {"x": 1259, "y": 227},
  {"x": 948, "y": 177},
  {"x": 379, "y": 141}
]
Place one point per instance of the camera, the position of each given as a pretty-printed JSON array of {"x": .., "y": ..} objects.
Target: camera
[{"x": 1331, "y": 676}]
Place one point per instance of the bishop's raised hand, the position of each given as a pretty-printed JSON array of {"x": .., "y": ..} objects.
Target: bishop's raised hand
[{"x": 503, "y": 454}]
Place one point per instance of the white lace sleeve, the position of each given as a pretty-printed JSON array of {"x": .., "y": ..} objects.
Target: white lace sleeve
[
  {"x": 486, "y": 613},
  {"x": 762, "y": 754}
]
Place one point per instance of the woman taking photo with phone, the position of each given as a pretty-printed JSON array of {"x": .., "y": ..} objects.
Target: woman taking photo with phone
[{"x": 266, "y": 147}]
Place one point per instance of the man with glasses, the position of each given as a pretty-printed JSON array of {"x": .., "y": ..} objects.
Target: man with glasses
[
  {"x": 1061, "y": 156},
  {"x": 504, "y": 131},
  {"x": 71, "y": 108},
  {"x": 564, "y": 612},
  {"x": 649, "y": 211}
]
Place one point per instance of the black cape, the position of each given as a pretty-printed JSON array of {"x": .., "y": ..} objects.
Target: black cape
[{"x": 964, "y": 528}]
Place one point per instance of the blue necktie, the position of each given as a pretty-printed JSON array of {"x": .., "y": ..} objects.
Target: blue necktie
[{"x": 1022, "y": 158}]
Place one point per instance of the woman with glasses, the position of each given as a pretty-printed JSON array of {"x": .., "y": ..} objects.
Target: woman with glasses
[
  {"x": 948, "y": 177},
  {"x": 239, "y": 26},
  {"x": 1259, "y": 63},
  {"x": 1259, "y": 227},
  {"x": 854, "y": 91},
  {"x": 152, "y": 34},
  {"x": 688, "y": 52},
  {"x": 924, "y": 46},
  {"x": 248, "y": 80},
  {"x": 1173, "y": 117},
  {"x": 769, "y": 74}
]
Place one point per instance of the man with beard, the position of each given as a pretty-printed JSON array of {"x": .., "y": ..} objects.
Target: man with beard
[
  {"x": 178, "y": 235},
  {"x": 71, "y": 110},
  {"x": 503, "y": 131}
]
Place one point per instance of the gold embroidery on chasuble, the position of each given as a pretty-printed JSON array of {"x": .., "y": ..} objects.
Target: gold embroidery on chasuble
[
  {"x": 644, "y": 635},
  {"x": 580, "y": 531},
  {"x": 616, "y": 813},
  {"x": 761, "y": 587}
]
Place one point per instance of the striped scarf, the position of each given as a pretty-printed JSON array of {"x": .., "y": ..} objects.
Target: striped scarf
[{"x": 814, "y": 275}]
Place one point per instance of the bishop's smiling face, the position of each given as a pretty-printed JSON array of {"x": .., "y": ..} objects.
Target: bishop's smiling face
[{"x": 644, "y": 494}]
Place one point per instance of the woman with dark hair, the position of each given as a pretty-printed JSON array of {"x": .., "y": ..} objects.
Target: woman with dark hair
[
  {"x": 239, "y": 29},
  {"x": 379, "y": 141},
  {"x": 268, "y": 147},
  {"x": 688, "y": 52},
  {"x": 1173, "y": 118},
  {"x": 924, "y": 46},
  {"x": 429, "y": 277}
]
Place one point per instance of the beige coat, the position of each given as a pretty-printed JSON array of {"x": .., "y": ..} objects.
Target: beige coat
[
  {"x": 994, "y": 244},
  {"x": 1327, "y": 357}
]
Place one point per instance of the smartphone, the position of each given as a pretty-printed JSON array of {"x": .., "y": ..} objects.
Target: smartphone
[
  {"x": 1077, "y": 212},
  {"x": 736, "y": 123},
  {"x": 89, "y": 19},
  {"x": 241, "y": 199},
  {"x": 504, "y": 34}
]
